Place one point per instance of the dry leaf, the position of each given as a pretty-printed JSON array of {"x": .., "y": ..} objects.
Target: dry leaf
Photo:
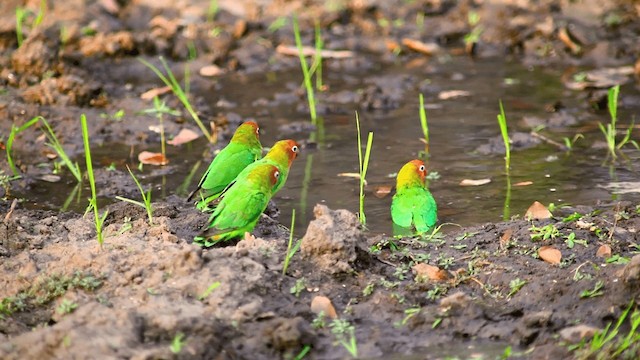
[
  {"x": 184, "y": 136},
  {"x": 352, "y": 175},
  {"x": 211, "y": 70},
  {"x": 421, "y": 47},
  {"x": 150, "y": 158},
  {"x": 50, "y": 154},
  {"x": 382, "y": 191},
  {"x": 604, "y": 251},
  {"x": 623, "y": 187},
  {"x": 537, "y": 211},
  {"x": 239, "y": 28},
  {"x": 470, "y": 182},
  {"x": 451, "y": 94},
  {"x": 150, "y": 94},
  {"x": 523, "y": 183},
  {"x": 310, "y": 51},
  {"x": 506, "y": 237},
  {"x": 563, "y": 35},
  {"x": 322, "y": 303},
  {"x": 50, "y": 178},
  {"x": 425, "y": 272},
  {"x": 550, "y": 254}
]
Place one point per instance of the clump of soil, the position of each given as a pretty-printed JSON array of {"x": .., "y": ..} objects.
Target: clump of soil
[{"x": 63, "y": 295}]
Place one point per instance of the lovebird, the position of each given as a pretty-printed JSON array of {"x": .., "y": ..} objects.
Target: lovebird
[
  {"x": 281, "y": 155},
  {"x": 243, "y": 149},
  {"x": 413, "y": 205},
  {"x": 241, "y": 205}
]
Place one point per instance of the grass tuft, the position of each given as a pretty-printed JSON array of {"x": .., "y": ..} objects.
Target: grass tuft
[
  {"x": 55, "y": 145},
  {"x": 171, "y": 81},
  {"x": 93, "y": 201},
  {"x": 146, "y": 198},
  {"x": 15, "y": 130},
  {"x": 609, "y": 130}
]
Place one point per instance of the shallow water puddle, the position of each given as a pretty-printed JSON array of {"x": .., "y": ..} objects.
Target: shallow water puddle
[{"x": 459, "y": 124}]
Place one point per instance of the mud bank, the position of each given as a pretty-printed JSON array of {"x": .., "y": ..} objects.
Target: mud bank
[{"x": 449, "y": 295}]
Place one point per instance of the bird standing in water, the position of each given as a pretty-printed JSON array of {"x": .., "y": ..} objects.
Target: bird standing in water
[
  {"x": 413, "y": 205},
  {"x": 243, "y": 149}
]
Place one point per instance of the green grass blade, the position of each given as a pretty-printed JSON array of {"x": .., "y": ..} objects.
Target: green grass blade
[
  {"x": 317, "y": 58},
  {"x": 612, "y": 101},
  {"x": 177, "y": 90},
  {"x": 41, "y": 12},
  {"x": 502, "y": 122},
  {"x": 305, "y": 71},
  {"x": 290, "y": 251},
  {"x": 135, "y": 202},
  {"x": 55, "y": 144},
  {"x": 424, "y": 125},
  {"x": 12, "y": 135},
  {"x": 94, "y": 201}
]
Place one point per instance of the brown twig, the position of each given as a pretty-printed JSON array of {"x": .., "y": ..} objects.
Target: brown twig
[{"x": 549, "y": 141}]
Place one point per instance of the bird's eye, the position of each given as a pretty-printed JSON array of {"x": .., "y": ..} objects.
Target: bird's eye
[
  {"x": 294, "y": 148},
  {"x": 276, "y": 174},
  {"x": 257, "y": 130},
  {"x": 421, "y": 168}
]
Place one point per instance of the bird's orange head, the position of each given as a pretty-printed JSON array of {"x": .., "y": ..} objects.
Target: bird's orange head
[
  {"x": 246, "y": 132},
  {"x": 411, "y": 173},
  {"x": 284, "y": 152}
]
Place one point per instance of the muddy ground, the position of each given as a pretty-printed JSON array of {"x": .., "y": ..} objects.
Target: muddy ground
[{"x": 63, "y": 296}]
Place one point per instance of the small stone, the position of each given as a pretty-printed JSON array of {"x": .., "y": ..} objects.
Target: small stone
[
  {"x": 455, "y": 301},
  {"x": 576, "y": 333},
  {"x": 537, "y": 319}
]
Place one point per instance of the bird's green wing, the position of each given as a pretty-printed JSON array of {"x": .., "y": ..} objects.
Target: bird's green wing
[
  {"x": 426, "y": 214},
  {"x": 414, "y": 207},
  {"x": 233, "y": 217},
  {"x": 225, "y": 167}
]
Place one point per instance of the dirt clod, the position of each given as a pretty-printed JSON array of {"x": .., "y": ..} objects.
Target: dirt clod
[{"x": 331, "y": 239}]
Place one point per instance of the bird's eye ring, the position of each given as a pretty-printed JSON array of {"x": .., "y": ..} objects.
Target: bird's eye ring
[
  {"x": 276, "y": 174},
  {"x": 294, "y": 148},
  {"x": 257, "y": 130},
  {"x": 421, "y": 168}
]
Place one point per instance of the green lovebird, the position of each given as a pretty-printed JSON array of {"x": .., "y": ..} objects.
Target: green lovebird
[
  {"x": 281, "y": 155},
  {"x": 243, "y": 149},
  {"x": 241, "y": 206},
  {"x": 413, "y": 205}
]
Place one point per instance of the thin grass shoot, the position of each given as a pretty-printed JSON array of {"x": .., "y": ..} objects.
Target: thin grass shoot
[
  {"x": 502, "y": 122},
  {"x": 171, "y": 81},
  {"x": 363, "y": 167},
  {"x": 317, "y": 57},
  {"x": 21, "y": 15},
  {"x": 55, "y": 144},
  {"x": 93, "y": 201},
  {"x": 146, "y": 198},
  {"x": 15, "y": 130},
  {"x": 305, "y": 71},
  {"x": 291, "y": 249},
  {"x": 425, "y": 126}
]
